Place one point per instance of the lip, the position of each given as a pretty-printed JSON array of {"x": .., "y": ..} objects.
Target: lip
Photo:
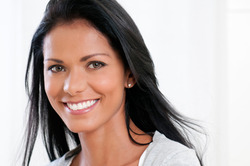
[{"x": 80, "y": 111}]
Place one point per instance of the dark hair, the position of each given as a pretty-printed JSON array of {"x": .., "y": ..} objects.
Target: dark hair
[{"x": 145, "y": 104}]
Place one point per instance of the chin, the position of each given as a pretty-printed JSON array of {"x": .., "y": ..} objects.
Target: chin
[{"x": 78, "y": 128}]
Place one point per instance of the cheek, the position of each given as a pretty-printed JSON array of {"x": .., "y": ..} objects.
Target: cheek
[
  {"x": 109, "y": 82},
  {"x": 52, "y": 87}
]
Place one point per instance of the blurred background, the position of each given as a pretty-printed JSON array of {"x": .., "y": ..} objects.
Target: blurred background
[{"x": 201, "y": 50}]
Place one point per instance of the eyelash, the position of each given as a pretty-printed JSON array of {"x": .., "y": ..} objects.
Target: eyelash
[
  {"x": 56, "y": 67},
  {"x": 97, "y": 63}
]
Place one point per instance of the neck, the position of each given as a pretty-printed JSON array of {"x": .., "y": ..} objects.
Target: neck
[{"x": 112, "y": 146}]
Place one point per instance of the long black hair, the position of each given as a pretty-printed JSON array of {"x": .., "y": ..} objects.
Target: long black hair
[{"x": 145, "y": 104}]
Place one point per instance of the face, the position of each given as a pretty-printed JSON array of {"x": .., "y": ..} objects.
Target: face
[{"x": 84, "y": 77}]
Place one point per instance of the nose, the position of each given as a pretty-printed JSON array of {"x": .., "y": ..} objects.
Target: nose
[{"x": 75, "y": 83}]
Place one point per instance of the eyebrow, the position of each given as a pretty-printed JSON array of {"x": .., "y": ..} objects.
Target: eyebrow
[
  {"x": 81, "y": 60},
  {"x": 90, "y": 56}
]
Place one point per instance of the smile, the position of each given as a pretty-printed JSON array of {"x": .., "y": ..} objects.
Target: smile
[{"x": 81, "y": 105}]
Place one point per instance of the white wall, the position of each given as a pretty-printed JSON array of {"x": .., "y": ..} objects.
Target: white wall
[
  {"x": 201, "y": 54},
  {"x": 238, "y": 70}
]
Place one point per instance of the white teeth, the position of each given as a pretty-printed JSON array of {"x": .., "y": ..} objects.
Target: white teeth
[
  {"x": 74, "y": 107},
  {"x": 82, "y": 105},
  {"x": 79, "y": 105},
  {"x": 88, "y": 103}
]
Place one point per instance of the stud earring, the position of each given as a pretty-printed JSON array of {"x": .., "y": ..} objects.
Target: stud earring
[{"x": 129, "y": 85}]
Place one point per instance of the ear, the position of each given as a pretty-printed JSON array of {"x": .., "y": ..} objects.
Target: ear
[{"x": 130, "y": 79}]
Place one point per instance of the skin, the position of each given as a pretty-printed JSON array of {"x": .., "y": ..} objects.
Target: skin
[{"x": 80, "y": 65}]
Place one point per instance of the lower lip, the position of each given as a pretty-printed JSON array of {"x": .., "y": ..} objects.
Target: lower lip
[{"x": 82, "y": 111}]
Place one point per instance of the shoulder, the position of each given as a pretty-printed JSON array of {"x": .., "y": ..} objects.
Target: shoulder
[
  {"x": 66, "y": 159},
  {"x": 165, "y": 152}
]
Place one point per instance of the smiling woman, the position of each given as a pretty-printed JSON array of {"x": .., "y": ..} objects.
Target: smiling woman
[
  {"x": 93, "y": 83},
  {"x": 86, "y": 87}
]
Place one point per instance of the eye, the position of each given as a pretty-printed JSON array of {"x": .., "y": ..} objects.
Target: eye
[
  {"x": 96, "y": 65},
  {"x": 56, "y": 68}
]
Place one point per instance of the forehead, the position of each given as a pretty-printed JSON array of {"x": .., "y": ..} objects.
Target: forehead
[
  {"x": 78, "y": 37},
  {"x": 76, "y": 28},
  {"x": 75, "y": 35}
]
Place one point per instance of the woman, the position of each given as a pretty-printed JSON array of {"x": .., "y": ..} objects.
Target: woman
[{"x": 94, "y": 87}]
